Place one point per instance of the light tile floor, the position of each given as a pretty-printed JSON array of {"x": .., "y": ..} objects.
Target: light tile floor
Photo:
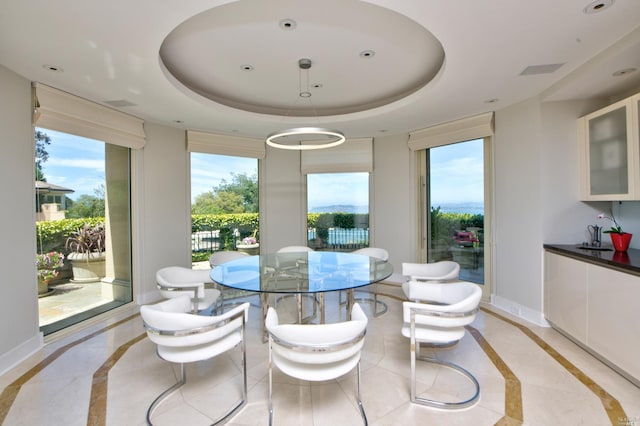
[{"x": 110, "y": 376}]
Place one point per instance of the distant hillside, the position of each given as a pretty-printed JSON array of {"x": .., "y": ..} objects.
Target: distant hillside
[{"x": 340, "y": 208}]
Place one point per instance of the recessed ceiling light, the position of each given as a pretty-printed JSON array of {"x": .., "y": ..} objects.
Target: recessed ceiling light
[
  {"x": 491, "y": 101},
  {"x": 246, "y": 67},
  {"x": 288, "y": 24},
  {"x": 53, "y": 68},
  {"x": 624, "y": 72},
  {"x": 367, "y": 54},
  {"x": 178, "y": 121},
  {"x": 317, "y": 85},
  {"x": 598, "y": 6}
]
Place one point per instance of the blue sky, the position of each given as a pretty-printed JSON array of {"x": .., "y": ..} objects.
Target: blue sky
[
  {"x": 74, "y": 162},
  {"x": 456, "y": 172}
]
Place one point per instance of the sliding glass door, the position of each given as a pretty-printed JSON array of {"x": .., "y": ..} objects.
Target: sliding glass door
[{"x": 455, "y": 212}]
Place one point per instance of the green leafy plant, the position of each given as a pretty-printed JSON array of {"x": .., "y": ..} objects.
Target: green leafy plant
[
  {"x": 615, "y": 228},
  {"x": 87, "y": 239}
]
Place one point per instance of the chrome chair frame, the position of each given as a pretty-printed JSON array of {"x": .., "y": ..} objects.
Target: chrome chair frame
[
  {"x": 415, "y": 355},
  {"x": 183, "y": 378}
]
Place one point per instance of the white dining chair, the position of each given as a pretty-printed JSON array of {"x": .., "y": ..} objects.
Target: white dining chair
[
  {"x": 182, "y": 338},
  {"x": 173, "y": 281},
  {"x": 223, "y": 256},
  {"x": 419, "y": 275},
  {"x": 316, "y": 352},
  {"x": 441, "y": 323}
]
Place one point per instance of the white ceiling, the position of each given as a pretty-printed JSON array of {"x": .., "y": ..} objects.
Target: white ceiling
[{"x": 180, "y": 62}]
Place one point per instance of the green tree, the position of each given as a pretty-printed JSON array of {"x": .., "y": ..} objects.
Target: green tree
[
  {"x": 240, "y": 195},
  {"x": 88, "y": 205},
  {"x": 41, "y": 141},
  {"x": 220, "y": 203},
  {"x": 244, "y": 185}
]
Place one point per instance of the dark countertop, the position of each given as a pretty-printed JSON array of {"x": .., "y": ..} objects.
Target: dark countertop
[{"x": 628, "y": 261}]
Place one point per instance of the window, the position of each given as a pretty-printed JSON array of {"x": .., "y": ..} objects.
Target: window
[
  {"x": 338, "y": 211},
  {"x": 83, "y": 213},
  {"x": 89, "y": 165},
  {"x": 223, "y": 185}
]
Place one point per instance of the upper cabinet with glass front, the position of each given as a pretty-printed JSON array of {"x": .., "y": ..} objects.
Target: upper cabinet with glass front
[{"x": 610, "y": 152}]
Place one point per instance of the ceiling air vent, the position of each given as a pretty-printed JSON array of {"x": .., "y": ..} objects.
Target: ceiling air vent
[
  {"x": 120, "y": 103},
  {"x": 540, "y": 69}
]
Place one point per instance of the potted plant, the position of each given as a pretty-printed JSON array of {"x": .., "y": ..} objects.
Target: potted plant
[
  {"x": 87, "y": 253},
  {"x": 47, "y": 265},
  {"x": 249, "y": 245},
  {"x": 619, "y": 238}
]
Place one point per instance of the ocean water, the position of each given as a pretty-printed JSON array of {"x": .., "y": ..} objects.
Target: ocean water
[{"x": 469, "y": 207}]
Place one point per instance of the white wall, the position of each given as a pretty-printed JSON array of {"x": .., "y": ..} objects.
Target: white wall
[
  {"x": 164, "y": 206},
  {"x": 18, "y": 288},
  {"x": 394, "y": 223}
]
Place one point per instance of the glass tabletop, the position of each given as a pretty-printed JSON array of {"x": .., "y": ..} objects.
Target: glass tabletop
[{"x": 304, "y": 272}]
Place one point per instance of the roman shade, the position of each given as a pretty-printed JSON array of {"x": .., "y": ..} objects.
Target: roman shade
[
  {"x": 211, "y": 143},
  {"x": 355, "y": 155},
  {"x": 466, "y": 129},
  {"x": 64, "y": 112}
]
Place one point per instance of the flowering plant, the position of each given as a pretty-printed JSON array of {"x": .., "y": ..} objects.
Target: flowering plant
[
  {"x": 615, "y": 228},
  {"x": 249, "y": 240},
  {"x": 51, "y": 260},
  {"x": 47, "y": 264}
]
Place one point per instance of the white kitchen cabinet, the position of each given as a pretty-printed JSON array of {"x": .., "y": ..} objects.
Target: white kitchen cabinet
[
  {"x": 566, "y": 295},
  {"x": 597, "y": 307},
  {"x": 610, "y": 152}
]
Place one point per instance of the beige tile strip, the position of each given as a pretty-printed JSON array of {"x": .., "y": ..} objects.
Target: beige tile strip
[
  {"x": 98, "y": 401},
  {"x": 614, "y": 410},
  {"x": 512, "y": 388},
  {"x": 10, "y": 393}
]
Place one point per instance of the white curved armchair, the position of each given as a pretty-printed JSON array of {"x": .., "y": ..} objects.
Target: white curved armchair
[
  {"x": 173, "y": 281},
  {"x": 182, "y": 338},
  {"x": 420, "y": 273},
  {"x": 441, "y": 323},
  {"x": 316, "y": 352}
]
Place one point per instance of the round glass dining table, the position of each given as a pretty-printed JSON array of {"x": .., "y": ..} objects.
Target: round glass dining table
[{"x": 299, "y": 273}]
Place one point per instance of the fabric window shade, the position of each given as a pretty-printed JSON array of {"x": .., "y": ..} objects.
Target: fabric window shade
[
  {"x": 354, "y": 155},
  {"x": 64, "y": 112},
  {"x": 476, "y": 127},
  {"x": 211, "y": 143}
]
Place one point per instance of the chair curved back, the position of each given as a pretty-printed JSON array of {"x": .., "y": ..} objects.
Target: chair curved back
[
  {"x": 378, "y": 253},
  {"x": 445, "y": 270},
  {"x": 180, "y": 335},
  {"x": 295, "y": 346},
  {"x": 220, "y": 257},
  {"x": 451, "y": 306},
  {"x": 178, "y": 276},
  {"x": 288, "y": 249}
]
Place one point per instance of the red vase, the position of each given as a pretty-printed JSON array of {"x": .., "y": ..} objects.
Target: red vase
[{"x": 621, "y": 241}]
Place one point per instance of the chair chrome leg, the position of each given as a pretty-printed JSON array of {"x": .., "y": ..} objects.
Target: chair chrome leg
[
  {"x": 362, "y": 413},
  {"x": 166, "y": 393},
  {"x": 372, "y": 301},
  {"x": 270, "y": 385},
  {"x": 243, "y": 400},
  {"x": 440, "y": 404}
]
